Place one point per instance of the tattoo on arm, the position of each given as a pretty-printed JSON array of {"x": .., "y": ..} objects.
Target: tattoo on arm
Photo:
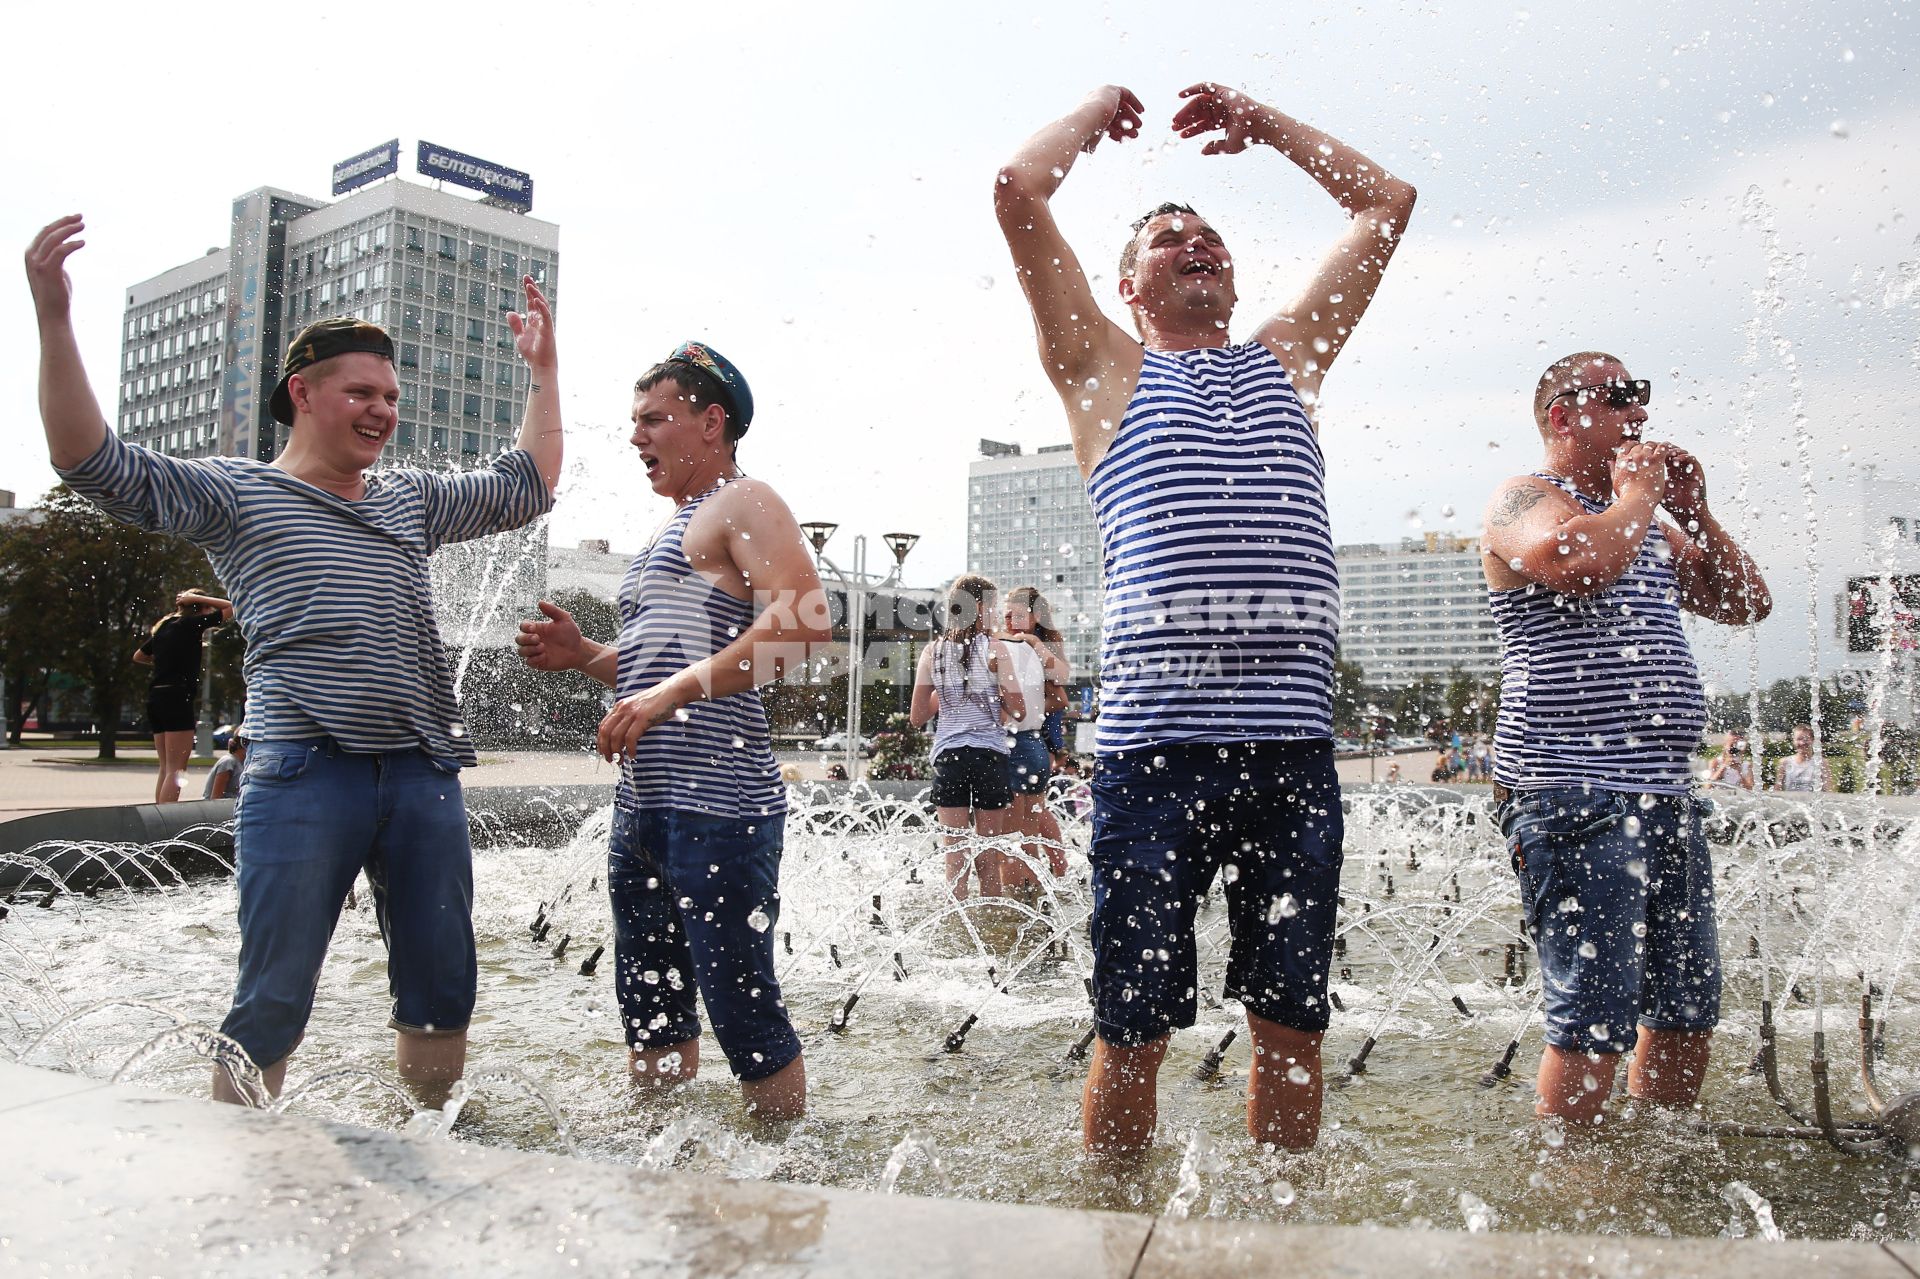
[{"x": 1517, "y": 502}]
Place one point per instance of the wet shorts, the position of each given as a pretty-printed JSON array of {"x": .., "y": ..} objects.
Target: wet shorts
[
  {"x": 311, "y": 817},
  {"x": 170, "y": 708},
  {"x": 1263, "y": 815},
  {"x": 695, "y": 903},
  {"x": 971, "y": 777},
  {"x": 1028, "y": 764},
  {"x": 1617, "y": 890}
]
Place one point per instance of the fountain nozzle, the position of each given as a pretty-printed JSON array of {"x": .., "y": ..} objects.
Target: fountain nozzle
[
  {"x": 839, "y": 1023},
  {"x": 958, "y": 1039},
  {"x": 560, "y": 951},
  {"x": 1209, "y": 1067},
  {"x": 1502, "y": 1068},
  {"x": 592, "y": 961}
]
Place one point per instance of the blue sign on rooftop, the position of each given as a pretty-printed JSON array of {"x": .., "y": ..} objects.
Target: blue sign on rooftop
[
  {"x": 509, "y": 186},
  {"x": 382, "y": 161}
]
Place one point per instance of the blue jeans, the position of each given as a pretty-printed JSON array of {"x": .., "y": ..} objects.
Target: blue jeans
[
  {"x": 1617, "y": 891},
  {"x": 311, "y": 817},
  {"x": 695, "y": 902},
  {"x": 1028, "y": 764},
  {"x": 1165, "y": 821}
]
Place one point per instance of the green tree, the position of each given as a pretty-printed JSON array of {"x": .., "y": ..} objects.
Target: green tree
[
  {"x": 1349, "y": 698},
  {"x": 93, "y": 587}
]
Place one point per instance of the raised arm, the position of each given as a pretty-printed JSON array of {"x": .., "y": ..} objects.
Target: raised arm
[
  {"x": 1308, "y": 335},
  {"x": 225, "y": 607},
  {"x": 540, "y": 430},
  {"x": 763, "y": 545},
  {"x": 1718, "y": 580},
  {"x": 1077, "y": 341},
  {"x": 1536, "y": 533},
  {"x": 68, "y": 409}
]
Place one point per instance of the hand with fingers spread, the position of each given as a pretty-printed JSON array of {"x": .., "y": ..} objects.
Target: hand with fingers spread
[
  {"x": 1211, "y": 107},
  {"x": 533, "y": 332},
  {"x": 555, "y": 644},
  {"x": 1686, "y": 495},
  {"x": 1640, "y": 470},
  {"x": 47, "y": 267},
  {"x": 1119, "y": 114}
]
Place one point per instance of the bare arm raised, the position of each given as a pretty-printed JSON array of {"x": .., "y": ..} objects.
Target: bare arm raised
[
  {"x": 68, "y": 410},
  {"x": 1308, "y": 335},
  {"x": 1079, "y": 345},
  {"x": 540, "y": 429}
]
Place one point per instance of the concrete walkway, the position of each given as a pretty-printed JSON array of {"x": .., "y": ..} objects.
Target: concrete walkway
[{"x": 105, "y": 1179}]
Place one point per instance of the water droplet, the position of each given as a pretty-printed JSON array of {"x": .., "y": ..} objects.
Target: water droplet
[
  {"x": 680, "y": 713},
  {"x": 1299, "y": 1075},
  {"x": 1588, "y": 950},
  {"x": 758, "y": 921},
  {"x": 1839, "y": 128},
  {"x": 984, "y": 281},
  {"x": 1283, "y": 907},
  {"x": 1283, "y": 1193}
]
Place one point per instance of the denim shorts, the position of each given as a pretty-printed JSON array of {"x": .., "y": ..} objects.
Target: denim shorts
[
  {"x": 311, "y": 817},
  {"x": 971, "y": 777},
  {"x": 1028, "y": 764},
  {"x": 1266, "y": 817},
  {"x": 1617, "y": 890},
  {"x": 695, "y": 903}
]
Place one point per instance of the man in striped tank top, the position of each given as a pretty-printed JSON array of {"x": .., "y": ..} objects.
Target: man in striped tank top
[
  {"x": 1601, "y": 712},
  {"x": 356, "y": 737},
  {"x": 723, "y": 600},
  {"x": 1221, "y": 601}
]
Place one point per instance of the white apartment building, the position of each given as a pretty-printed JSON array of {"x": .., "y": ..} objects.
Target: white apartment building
[
  {"x": 202, "y": 341},
  {"x": 1417, "y": 608},
  {"x": 1029, "y": 524}
]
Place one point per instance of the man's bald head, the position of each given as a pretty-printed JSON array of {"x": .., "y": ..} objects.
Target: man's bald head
[{"x": 1564, "y": 374}]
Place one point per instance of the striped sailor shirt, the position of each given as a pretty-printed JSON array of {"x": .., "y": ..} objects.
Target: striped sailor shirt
[
  {"x": 1222, "y": 594},
  {"x": 716, "y": 757},
  {"x": 332, "y": 595},
  {"x": 1600, "y": 692}
]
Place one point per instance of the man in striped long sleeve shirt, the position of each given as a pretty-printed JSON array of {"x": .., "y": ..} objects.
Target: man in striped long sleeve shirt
[{"x": 356, "y": 738}]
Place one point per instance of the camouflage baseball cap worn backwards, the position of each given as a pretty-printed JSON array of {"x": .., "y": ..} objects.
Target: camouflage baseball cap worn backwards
[
  {"x": 322, "y": 340},
  {"x": 722, "y": 370}
]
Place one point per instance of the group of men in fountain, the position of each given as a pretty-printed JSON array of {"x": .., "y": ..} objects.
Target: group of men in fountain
[{"x": 1215, "y": 753}]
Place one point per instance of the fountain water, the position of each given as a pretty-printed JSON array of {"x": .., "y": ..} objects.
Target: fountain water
[{"x": 944, "y": 1035}]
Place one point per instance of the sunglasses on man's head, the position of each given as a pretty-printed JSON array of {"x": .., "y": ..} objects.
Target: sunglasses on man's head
[{"x": 1618, "y": 394}]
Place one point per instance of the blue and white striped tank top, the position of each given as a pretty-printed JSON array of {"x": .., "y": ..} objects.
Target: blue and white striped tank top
[
  {"x": 969, "y": 697},
  {"x": 719, "y": 759},
  {"x": 1222, "y": 595},
  {"x": 1600, "y": 692}
]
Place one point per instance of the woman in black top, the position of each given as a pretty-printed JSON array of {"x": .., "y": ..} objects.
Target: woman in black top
[{"x": 173, "y": 650}]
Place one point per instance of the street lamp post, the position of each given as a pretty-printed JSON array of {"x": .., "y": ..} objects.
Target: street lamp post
[{"x": 853, "y": 589}]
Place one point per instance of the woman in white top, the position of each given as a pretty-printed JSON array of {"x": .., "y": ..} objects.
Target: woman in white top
[
  {"x": 1040, "y": 666},
  {"x": 1800, "y": 771},
  {"x": 965, "y": 679},
  {"x": 1731, "y": 769}
]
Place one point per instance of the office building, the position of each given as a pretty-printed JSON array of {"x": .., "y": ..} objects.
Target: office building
[
  {"x": 1416, "y": 608},
  {"x": 1029, "y": 524},
  {"x": 202, "y": 341}
]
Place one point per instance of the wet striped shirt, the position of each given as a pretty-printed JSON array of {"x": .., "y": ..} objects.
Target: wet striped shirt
[
  {"x": 331, "y": 595},
  {"x": 1600, "y": 692},
  {"x": 1222, "y": 595},
  {"x": 719, "y": 759}
]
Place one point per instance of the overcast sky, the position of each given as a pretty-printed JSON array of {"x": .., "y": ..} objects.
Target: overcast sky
[{"x": 1725, "y": 195}]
